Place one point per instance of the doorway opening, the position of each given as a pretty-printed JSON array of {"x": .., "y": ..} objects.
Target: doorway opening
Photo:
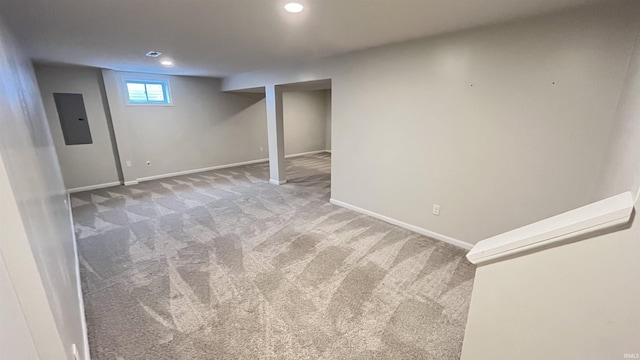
[{"x": 306, "y": 108}]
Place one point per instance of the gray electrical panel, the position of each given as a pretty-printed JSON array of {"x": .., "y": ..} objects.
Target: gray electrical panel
[{"x": 73, "y": 118}]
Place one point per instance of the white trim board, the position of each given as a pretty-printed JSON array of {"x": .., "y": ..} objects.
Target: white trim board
[
  {"x": 85, "y": 334},
  {"x": 307, "y": 153},
  {"x": 553, "y": 231},
  {"x": 402, "y": 224},
  {"x": 93, "y": 187},
  {"x": 193, "y": 171}
]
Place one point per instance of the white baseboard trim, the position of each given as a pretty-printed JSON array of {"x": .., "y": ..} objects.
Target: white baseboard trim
[
  {"x": 306, "y": 153},
  {"x": 83, "y": 319},
  {"x": 94, "y": 187},
  {"x": 187, "y": 172},
  {"x": 277, "y": 182},
  {"x": 419, "y": 230},
  {"x": 194, "y": 171}
]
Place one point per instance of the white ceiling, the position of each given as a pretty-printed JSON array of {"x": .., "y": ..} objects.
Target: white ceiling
[{"x": 224, "y": 37}]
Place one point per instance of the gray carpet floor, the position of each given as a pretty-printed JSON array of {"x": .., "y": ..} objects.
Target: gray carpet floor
[{"x": 224, "y": 265}]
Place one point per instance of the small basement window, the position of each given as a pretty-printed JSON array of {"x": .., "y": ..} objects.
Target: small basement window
[{"x": 148, "y": 92}]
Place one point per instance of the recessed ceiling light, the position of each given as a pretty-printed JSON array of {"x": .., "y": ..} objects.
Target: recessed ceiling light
[
  {"x": 167, "y": 63},
  {"x": 153, "y": 53},
  {"x": 293, "y": 7}
]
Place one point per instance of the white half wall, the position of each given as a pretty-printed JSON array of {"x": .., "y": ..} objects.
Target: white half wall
[
  {"x": 304, "y": 121},
  {"x": 88, "y": 164},
  {"x": 576, "y": 301},
  {"x": 36, "y": 243},
  {"x": 501, "y": 125}
]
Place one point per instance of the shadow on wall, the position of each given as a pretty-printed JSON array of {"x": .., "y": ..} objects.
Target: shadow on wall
[
  {"x": 112, "y": 134},
  {"x": 247, "y": 99},
  {"x": 255, "y": 110}
]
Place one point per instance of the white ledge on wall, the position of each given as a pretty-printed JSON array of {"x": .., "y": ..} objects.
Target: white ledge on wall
[{"x": 603, "y": 214}]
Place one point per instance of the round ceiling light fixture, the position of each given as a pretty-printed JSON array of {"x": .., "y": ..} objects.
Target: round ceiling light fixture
[
  {"x": 294, "y": 7},
  {"x": 167, "y": 63}
]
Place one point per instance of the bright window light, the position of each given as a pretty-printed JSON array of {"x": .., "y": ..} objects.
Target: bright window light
[{"x": 151, "y": 92}]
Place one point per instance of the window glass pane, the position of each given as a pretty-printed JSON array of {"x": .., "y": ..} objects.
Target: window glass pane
[
  {"x": 155, "y": 92},
  {"x": 150, "y": 92},
  {"x": 136, "y": 92}
]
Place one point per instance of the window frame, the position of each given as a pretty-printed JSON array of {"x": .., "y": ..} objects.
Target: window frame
[{"x": 166, "y": 89}]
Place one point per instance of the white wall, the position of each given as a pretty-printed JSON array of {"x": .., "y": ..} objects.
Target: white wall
[
  {"x": 327, "y": 131},
  {"x": 15, "y": 339},
  {"x": 620, "y": 170},
  {"x": 88, "y": 164},
  {"x": 576, "y": 301},
  {"x": 202, "y": 128},
  {"x": 304, "y": 115},
  {"x": 502, "y": 125},
  {"x": 37, "y": 239}
]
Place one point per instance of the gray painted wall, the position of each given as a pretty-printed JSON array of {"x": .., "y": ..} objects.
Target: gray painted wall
[
  {"x": 501, "y": 125},
  {"x": 580, "y": 298},
  {"x": 304, "y": 121},
  {"x": 327, "y": 141},
  {"x": 202, "y": 128},
  {"x": 82, "y": 165},
  {"x": 37, "y": 243},
  {"x": 621, "y": 167}
]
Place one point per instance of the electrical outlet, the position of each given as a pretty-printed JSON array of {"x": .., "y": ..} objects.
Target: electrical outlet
[
  {"x": 74, "y": 352},
  {"x": 148, "y": 163},
  {"x": 436, "y": 209},
  {"x": 261, "y": 148},
  {"x": 128, "y": 163}
]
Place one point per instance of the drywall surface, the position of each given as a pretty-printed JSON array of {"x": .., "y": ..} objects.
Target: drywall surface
[
  {"x": 15, "y": 338},
  {"x": 621, "y": 165},
  {"x": 501, "y": 126},
  {"x": 82, "y": 165},
  {"x": 37, "y": 238},
  {"x": 203, "y": 127},
  {"x": 577, "y": 301},
  {"x": 327, "y": 131},
  {"x": 304, "y": 121}
]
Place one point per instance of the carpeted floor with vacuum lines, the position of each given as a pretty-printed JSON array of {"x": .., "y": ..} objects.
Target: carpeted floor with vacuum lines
[{"x": 224, "y": 265}]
